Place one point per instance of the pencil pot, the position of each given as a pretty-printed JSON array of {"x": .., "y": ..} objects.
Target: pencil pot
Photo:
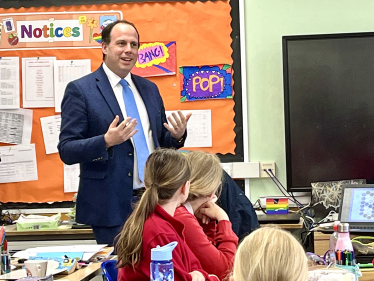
[{"x": 162, "y": 271}]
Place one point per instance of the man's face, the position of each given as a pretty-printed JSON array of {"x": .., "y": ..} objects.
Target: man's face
[{"x": 122, "y": 51}]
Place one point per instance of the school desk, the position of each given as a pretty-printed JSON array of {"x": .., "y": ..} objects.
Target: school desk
[{"x": 82, "y": 274}]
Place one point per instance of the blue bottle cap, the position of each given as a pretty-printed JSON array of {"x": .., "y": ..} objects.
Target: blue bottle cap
[{"x": 163, "y": 253}]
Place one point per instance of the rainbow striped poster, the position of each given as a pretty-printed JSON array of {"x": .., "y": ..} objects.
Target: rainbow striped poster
[{"x": 276, "y": 206}]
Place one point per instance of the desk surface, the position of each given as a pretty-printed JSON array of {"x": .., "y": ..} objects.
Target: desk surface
[
  {"x": 367, "y": 276},
  {"x": 83, "y": 274},
  {"x": 287, "y": 225}
]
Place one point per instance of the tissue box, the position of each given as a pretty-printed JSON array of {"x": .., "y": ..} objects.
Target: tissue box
[
  {"x": 36, "y": 222},
  {"x": 276, "y": 206}
]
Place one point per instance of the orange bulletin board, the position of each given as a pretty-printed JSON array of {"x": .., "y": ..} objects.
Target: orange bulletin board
[{"x": 202, "y": 34}]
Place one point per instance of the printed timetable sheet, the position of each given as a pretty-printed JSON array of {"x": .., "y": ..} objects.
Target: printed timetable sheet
[
  {"x": 199, "y": 128},
  {"x": 15, "y": 126},
  {"x": 71, "y": 178},
  {"x": 9, "y": 83},
  {"x": 51, "y": 130},
  {"x": 37, "y": 82},
  {"x": 66, "y": 71},
  {"x": 18, "y": 163}
]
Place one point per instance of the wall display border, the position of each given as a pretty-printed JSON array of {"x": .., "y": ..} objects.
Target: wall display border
[
  {"x": 236, "y": 56},
  {"x": 6, "y": 4}
]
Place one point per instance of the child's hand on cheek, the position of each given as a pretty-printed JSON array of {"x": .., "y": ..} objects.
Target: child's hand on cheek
[
  {"x": 213, "y": 211},
  {"x": 201, "y": 217}
]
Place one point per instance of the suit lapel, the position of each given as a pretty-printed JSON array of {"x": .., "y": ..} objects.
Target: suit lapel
[{"x": 106, "y": 91}]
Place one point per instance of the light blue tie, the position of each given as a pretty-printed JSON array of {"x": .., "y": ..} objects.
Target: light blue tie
[{"x": 140, "y": 143}]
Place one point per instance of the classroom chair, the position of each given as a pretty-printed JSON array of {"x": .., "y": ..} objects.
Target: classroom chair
[{"x": 110, "y": 270}]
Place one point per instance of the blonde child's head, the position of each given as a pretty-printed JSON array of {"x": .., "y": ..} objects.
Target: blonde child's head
[
  {"x": 206, "y": 174},
  {"x": 271, "y": 254}
]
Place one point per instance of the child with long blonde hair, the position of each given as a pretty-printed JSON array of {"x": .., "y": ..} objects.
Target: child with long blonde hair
[
  {"x": 271, "y": 254},
  {"x": 210, "y": 238},
  {"x": 152, "y": 223}
]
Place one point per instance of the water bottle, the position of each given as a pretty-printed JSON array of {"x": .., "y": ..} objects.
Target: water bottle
[
  {"x": 333, "y": 239},
  {"x": 162, "y": 268},
  {"x": 334, "y": 236},
  {"x": 343, "y": 248},
  {"x": 344, "y": 240}
]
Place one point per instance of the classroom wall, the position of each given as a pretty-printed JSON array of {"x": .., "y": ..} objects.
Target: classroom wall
[
  {"x": 188, "y": 23},
  {"x": 266, "y": 22}
]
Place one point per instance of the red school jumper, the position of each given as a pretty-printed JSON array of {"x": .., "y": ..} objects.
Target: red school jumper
[
  {"x": 213, "y": 244},
  {"x": 161, "y": 229}
]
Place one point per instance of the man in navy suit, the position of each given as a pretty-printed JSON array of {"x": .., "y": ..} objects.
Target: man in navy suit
[{"x": 97, "y": 133}]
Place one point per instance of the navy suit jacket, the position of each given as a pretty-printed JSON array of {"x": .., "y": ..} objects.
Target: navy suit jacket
[
  {"x": 106, "y": 175},
  {"x": 238, "y": 207}
]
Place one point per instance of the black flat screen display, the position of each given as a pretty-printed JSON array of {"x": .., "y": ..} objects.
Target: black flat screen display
[{"x": 329, "y": 108}]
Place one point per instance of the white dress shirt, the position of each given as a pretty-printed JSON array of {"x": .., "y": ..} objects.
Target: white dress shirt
[{"x": 117, "y": 89}]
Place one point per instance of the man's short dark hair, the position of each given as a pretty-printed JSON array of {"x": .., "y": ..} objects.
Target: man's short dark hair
[{"x": 105, "y": 34}]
